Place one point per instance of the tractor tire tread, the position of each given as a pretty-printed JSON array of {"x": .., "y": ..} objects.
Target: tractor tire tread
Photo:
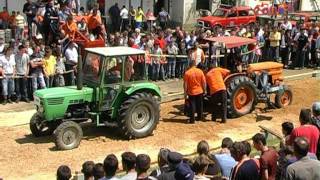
[
  {"x": 59, "y": 131},
  {"x": 231, "y": 88},
  {"x": 123, "y": 114}
]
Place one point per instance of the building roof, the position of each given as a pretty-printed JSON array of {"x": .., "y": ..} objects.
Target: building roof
[
  {"x": 232, "y": 41},
  {"x": 115, "y": 51}
]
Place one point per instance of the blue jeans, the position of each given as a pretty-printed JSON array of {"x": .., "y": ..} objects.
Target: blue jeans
[
  {"x": 171, "y": 67},
  {"x": 138, "y": 24},
  {"x": 181, "y": 67},
  {"x": 19, "y": 33},
  {"x": 7, "y": 86},
  {"x": 147, "y": 70},
  {"x": 49, "y": 81},
  {"x": 158, "y": 71},
  {"x": 155, "y": 71},
  {"x": 38, "y": 81},
  {"x": 274, "y": 53},
  {"x": 59, "y": 80}
]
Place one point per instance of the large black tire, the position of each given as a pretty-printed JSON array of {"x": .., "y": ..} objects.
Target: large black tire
[
  {"x": 139, "y": 115},
  {"x": 68, "y": 135},
  {"x": 284, "y": 97},
  {"x": 242, "y": 96},
  {"x": 37, "y": 129}
]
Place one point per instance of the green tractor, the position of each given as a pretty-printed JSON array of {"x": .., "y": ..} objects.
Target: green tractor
[{"x": 108, "y": 92}]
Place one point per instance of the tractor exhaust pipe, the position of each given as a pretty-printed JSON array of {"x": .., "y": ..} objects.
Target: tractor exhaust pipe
[{"x": 79, "y": 73}]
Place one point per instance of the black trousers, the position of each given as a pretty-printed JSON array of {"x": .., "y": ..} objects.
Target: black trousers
[
  {"x": 124, "y": 24},
  {"x": 70, "y": 77},
  {"x": 21, "y": 87},
  {"x": 196, "y": 103},
  {"x": 219, "y": 105},
  {"x": 284, "y": 53}
]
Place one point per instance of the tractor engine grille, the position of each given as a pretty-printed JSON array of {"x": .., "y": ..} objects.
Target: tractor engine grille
[{"x": 55, "y": 101}]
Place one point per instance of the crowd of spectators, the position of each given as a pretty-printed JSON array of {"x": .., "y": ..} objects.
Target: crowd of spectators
[
  {"x": 43, "y": 53},
  {"x": 295, "y": 158}
]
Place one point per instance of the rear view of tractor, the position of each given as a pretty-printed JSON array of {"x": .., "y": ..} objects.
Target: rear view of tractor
[{"x": 257, "y": 84}]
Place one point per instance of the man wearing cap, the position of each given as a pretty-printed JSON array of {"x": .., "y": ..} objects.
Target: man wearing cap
[
  {"x": 194, "y": 87},
  {"x": 218, "y": 92},
  {"x": 174, "y": 160}
]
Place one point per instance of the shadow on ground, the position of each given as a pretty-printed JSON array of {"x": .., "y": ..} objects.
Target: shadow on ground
[{"x": 90, "y": 133}]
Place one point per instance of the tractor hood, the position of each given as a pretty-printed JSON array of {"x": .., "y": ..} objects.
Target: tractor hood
[
  {"x": 210, "y": 19},
  {"x": 67, "y": 91}
]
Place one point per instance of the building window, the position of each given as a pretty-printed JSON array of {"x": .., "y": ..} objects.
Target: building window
[{"x": 203, "y": 4}]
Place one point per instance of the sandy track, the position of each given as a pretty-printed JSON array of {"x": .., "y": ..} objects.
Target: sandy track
[{"x": 25, "y": 157}]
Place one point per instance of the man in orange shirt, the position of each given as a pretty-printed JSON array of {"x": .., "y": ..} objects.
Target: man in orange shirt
[
  {"x": 218, "y": 92},
  {"x": 4, "y": 18},
  {"x": 194, "y": 88},
  {"x": 70, "y": 28},
  {"x": 95, "y": 23}
]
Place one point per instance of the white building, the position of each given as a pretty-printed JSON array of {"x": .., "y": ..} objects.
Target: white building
[{"x": 181, "y": 11}]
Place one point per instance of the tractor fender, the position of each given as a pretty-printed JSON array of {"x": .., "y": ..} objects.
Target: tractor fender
[
  {"x": 229, "y": 77},
  {"x": 144, "y": 87}
]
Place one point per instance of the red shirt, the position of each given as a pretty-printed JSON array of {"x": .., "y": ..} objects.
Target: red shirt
[
  {"x": 268, "y": 161},
  {"x": 310, "y": 132},
  {"x": 4, "y": 15},
  {"x": 162, "y": 43}
]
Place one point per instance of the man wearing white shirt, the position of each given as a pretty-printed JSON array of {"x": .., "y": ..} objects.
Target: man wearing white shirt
[
  {"x": 124, "y": 13},
  {"x": 286, "y": 25},
  {"x": 7, "y": 64},
  {"x": 71, "y": 55},
  {"x": 1, "y": 45}
]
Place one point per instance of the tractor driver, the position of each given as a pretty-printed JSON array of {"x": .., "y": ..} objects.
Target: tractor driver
[
  {"x": 113, "y": 71},
  {"x": 215, "y": 79}
]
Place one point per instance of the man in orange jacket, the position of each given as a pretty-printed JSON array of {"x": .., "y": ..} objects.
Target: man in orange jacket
[
  {"x": 194, "y": 88},
  {"x": 70, "y": 28},
  {"x": 215, "y": 79}
]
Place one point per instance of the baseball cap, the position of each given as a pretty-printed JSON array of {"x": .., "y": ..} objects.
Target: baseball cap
[{"x": 184, "y": 172}]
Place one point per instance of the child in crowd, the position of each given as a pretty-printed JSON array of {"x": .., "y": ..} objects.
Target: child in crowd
[
  {"x": 60, "y": 69},
  {"x": 148, "y": 60},
  {"x": 49, "y": 66}
]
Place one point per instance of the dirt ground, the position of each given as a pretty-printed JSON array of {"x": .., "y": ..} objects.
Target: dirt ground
[{"x": 25, "y": 157}]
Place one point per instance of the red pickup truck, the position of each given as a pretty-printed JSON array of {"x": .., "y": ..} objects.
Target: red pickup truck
[{"x": 228, "y": 17}]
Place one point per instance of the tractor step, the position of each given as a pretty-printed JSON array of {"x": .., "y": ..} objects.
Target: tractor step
[{"x": 111, "y": 124}]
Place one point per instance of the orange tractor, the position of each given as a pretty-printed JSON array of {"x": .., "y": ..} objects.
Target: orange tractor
[{"x": 255, "y": 84}]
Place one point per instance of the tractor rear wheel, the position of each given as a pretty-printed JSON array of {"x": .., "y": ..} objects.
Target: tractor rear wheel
[
  {"x": 139, "y": 115},
  {"x": 68, "y": 135},
  {"x": 241, "y": 96},
  {"x": 37, "y": 128},
  {"x": 283, "y": 98}
]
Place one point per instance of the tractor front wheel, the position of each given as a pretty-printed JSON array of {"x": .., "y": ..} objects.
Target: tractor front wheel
[
  {"x": 241, "y": 96},
  {"x": 139, "y": 115},
  {"x": 283, "y": 98},
  {"x": 68, "y": 135},
  {"x": 37, "y": 128}
]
